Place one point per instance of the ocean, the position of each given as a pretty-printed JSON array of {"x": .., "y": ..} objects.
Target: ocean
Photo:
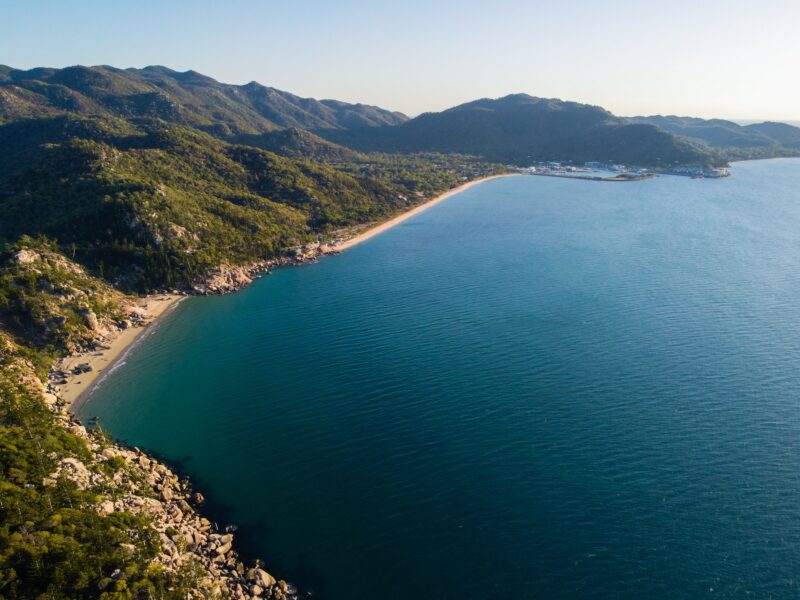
[{"x": 539, "y": 388}]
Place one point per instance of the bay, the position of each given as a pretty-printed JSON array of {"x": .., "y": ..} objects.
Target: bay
[{"x": 538, "y": 388}]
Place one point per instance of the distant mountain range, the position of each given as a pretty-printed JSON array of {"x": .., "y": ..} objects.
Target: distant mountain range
[
  {"x": 767, "y": 138},
  {"x": 188, "y": 99},
  {"x": 151, "y": 178},
  {"x": 520, "y": 129},
  {"x": 516, "y": 129}
]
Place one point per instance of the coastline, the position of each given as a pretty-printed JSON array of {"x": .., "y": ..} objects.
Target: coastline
[
  {"x": 615, "y": 179},
  {"x": 153, "y": 307},
  {"x": 226, "y": 279},
  {"x": 165, "y": 498},
  {"x": 385, "y": 225},
  {"x": 102, "y": 359}
]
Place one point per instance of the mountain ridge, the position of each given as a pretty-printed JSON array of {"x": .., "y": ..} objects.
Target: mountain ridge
[
  {"x": 186, "y": 98},
  {"x": 517, "y": 128},
  {"x": 520, "y": 129},
  {"x": 753, "y": 140}
]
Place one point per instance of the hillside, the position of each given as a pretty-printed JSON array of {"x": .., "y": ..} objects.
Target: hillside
[
  {"x": 188, "y": 99},
  {"x": 758, "y": 140},
  {"x": 55, "y": 541},
  {"x": 80, "y": 516},
  {"x": 294, "y": 142},
  {"x": 783, "y": 134},
  {"x": 112, "y": 182},
  {"x": 521, "y": 129},
  {"x": 152, "y": 178},
  {"x": 515, "y": 129},
  {"x": 146, "y": 204}
]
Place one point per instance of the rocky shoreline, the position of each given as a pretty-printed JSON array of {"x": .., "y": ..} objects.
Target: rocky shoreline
[
  {"x": 229, "y": 278},
  {"x": 133, "y": 481},
  {"x": 143, "y": 485}
]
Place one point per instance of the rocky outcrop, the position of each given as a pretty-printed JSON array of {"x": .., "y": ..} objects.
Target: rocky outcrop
[
  {"x": 224, "y": 278},
  {"x": 227, "y": 278},
  {"x": 72, "y": 311},
  {"x": 137, "y": 483},
  {"x": 26, "y": 257},
  {"x": 130, "y": 480}
]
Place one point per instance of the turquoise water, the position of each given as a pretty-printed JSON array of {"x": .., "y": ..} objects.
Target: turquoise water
[{"x": 539, "y": 388}]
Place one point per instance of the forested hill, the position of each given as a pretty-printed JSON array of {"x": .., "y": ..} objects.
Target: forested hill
[
  {"x": 188, "y": 99},
  {"x": 147, "y": 204},
  {"x": 514, "y": 129},
  {"x": 521, "y": 129},
  {"x": 300, "y": 143},
  {"x": 757, "y": 140}
]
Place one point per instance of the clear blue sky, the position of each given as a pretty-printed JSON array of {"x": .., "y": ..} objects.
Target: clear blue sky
[{"x": 732, "y": 59}]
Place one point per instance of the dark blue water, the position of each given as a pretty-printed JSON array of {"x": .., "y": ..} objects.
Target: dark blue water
[{"x": 539, "y": 388}]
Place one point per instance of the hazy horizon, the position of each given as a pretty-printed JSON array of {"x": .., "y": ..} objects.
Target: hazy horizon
[{"x": 728, "y": 60}]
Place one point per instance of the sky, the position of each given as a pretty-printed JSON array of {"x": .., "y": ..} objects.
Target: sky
[{"x": 706, "y": 58}]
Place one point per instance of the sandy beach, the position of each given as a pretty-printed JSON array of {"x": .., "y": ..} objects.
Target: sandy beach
[
  {"x": 101, "y": 360},
  {"x": 153, "y": 307},
  {"x": 381, "y": 227}
]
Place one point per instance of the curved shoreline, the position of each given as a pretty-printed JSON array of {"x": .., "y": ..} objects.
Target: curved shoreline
[
  {"x": 154, "y": 307},
  {"x": 385, "y": 225},
  {"x": 103, "y": 360}
]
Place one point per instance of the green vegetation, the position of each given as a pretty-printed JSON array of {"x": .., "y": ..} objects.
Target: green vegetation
[
  {"x": 54, "y": 543},
  {"x": 517, "y": 129},
  {"x": 46, "y": 301},
  {"x": 521, "y": 129},
  {"x": 109, "y": 185},
  {"x": 147, "y": 205},
  {"x": 301, "y": 144},
  {"x": 731, "y": 141},
  {"x": 188, "y": 99}
]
